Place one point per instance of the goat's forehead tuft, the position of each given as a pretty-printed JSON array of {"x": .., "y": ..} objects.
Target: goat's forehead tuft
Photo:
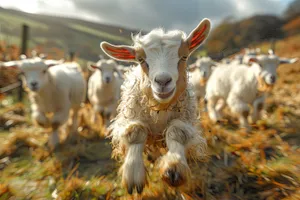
[
  {"x": 268, "y": 58},
  {"x": 33, "y": 64},
  {"x": 106, "y": 64},
  {"x": 203, "y": 60},
  {"x": 158, "y": 38}
]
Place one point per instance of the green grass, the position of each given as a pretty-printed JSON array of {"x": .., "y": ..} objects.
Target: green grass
[
  {"x": 13, "y": 21},
  {"x": 99, "y": 33}
]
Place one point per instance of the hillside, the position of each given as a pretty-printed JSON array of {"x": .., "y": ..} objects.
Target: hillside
[{"x": 60, "y": 32}]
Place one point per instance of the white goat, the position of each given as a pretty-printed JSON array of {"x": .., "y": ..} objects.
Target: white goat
[
  {"x": 241, "y": 86},
  {"x": 157, "y": 104},
  {"x": 200, "y": 72},
  {"x": 52, "y": 89},
  {"x": 104, "y": 88}
]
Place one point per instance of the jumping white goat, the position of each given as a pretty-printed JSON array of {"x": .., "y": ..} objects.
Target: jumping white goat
[
  {"x": 53, "y": 88},
  {"x": 241, "y": 86},
  {"x": 104, "y": 88},
  {"x": 200, "y": 72},
  {"x": 157, "y": 107}
]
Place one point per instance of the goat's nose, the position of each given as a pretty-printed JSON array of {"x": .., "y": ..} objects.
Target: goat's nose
[
  {"x": 273, "y": 78},
  {"x": 107, "y": 79},
  {"x": 33, "y": 84},
  {"x": 163, "y": 80}
]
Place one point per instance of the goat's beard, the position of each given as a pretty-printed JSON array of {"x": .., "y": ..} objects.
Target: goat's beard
[{"x": 263, "y": 86}]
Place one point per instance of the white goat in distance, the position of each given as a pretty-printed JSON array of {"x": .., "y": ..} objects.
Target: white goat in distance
[
  {"x": 242, "y": 85},
  {"x": 53, "y": 88},
  {"x": 104, "y": 88}
]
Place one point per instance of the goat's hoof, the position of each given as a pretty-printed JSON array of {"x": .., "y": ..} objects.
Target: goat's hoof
[
  {"x": 130, "y": 189},
  {"x": 173, "y": 178},
  {"x": 139, "y": 188},
  {"x": 175, "y": 174}
]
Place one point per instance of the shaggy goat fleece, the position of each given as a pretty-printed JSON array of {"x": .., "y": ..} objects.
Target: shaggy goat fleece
[{"x": 136, "y": 104}]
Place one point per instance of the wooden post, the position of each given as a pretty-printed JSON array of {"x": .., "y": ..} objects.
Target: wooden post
[
  {"x": 25, "y": 31},
  {"x": 20, "y": 90},
  {"x": 273, "y": 43},
  {"x": 71, "y": 55}
]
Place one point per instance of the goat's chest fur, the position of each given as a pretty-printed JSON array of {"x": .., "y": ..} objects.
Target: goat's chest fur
[{"x": 159, "y": 120}]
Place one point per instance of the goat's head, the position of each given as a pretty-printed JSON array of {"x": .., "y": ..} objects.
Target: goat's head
[
  {"x": 107, "y": 69},
  {"x": 268, "y": 65},
  {"x": 205, "y": 66},
  {"x": 162, "y": 57},
  {"x": 34, "y": 71}
]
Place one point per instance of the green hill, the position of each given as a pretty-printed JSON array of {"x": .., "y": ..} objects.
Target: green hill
[{"x": 53, "y": 32}]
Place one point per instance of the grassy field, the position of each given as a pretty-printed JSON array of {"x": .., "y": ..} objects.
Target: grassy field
[{"x": 263, "y": 164}]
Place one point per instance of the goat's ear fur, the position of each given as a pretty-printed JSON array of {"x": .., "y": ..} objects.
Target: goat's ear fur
[
  {"x": 119, "y": 52},
  {"x": 253, "y": 59},
  {"x": 11, "y": 64},
  {"x": 91, "y": 66},
  {"x": 51, "y": 63},
  {"x": 288, "y": 61},
  {"x": 198, "y": 35}
]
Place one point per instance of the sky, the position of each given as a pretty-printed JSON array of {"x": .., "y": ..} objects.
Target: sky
[{"x": 149, "y": 14}]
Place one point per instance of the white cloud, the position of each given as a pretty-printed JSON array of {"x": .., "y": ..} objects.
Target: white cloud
[{"x": 148, "y": 14}]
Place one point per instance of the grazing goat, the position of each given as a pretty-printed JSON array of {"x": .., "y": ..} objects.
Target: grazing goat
[
  {"x": 157, "y": 107},
  {"x": 200, "y": 72},
  {"x": 53, "y": 88},
  {"x": 104, "y": 88},
  {"x": 241, "y": 86}
]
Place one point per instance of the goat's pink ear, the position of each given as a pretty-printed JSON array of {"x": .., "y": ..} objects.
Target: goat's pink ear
[
  {"x": 253, "y": 59},
  {"x": 119, "y": 52},
  {"x": 198, "y": 35},
  {"x": 92, "y": 66}
]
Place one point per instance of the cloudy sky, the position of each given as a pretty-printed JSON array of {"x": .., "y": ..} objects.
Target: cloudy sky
[{"x": 148, "y": 14}]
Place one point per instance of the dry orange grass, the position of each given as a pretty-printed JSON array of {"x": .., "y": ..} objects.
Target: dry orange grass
[{"x": 263, "y": 164}]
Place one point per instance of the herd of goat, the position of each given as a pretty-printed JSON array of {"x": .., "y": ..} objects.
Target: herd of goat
[{"x": 151, "y": 104}]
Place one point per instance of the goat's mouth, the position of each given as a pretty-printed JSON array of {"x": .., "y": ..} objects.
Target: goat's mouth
[
  {"x": 163, "y": 96},
  {"x": 34, "y": 89}
]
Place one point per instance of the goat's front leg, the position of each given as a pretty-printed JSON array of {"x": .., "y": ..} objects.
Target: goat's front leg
[
  {"x": 173, "y": 166},
  {"x": 133, "y": 169},
  {"x": 258, "y": 106},
  {"x": 240, "y": 108},
  {"x": 39, "y": 116},
  {"x": 60, "y": 117}
]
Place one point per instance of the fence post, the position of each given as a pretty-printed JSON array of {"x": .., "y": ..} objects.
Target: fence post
[
  {"x": 25, "y": 31},
  {"x": 273, "y": 43},
  {"x": 20, "y": 90}
]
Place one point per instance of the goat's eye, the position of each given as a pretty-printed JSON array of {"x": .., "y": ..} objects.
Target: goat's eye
[
  {"x": 44, "y": 71},
  {"x": 142, "y": 61},
  {"x": 184, "y": 58}
]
